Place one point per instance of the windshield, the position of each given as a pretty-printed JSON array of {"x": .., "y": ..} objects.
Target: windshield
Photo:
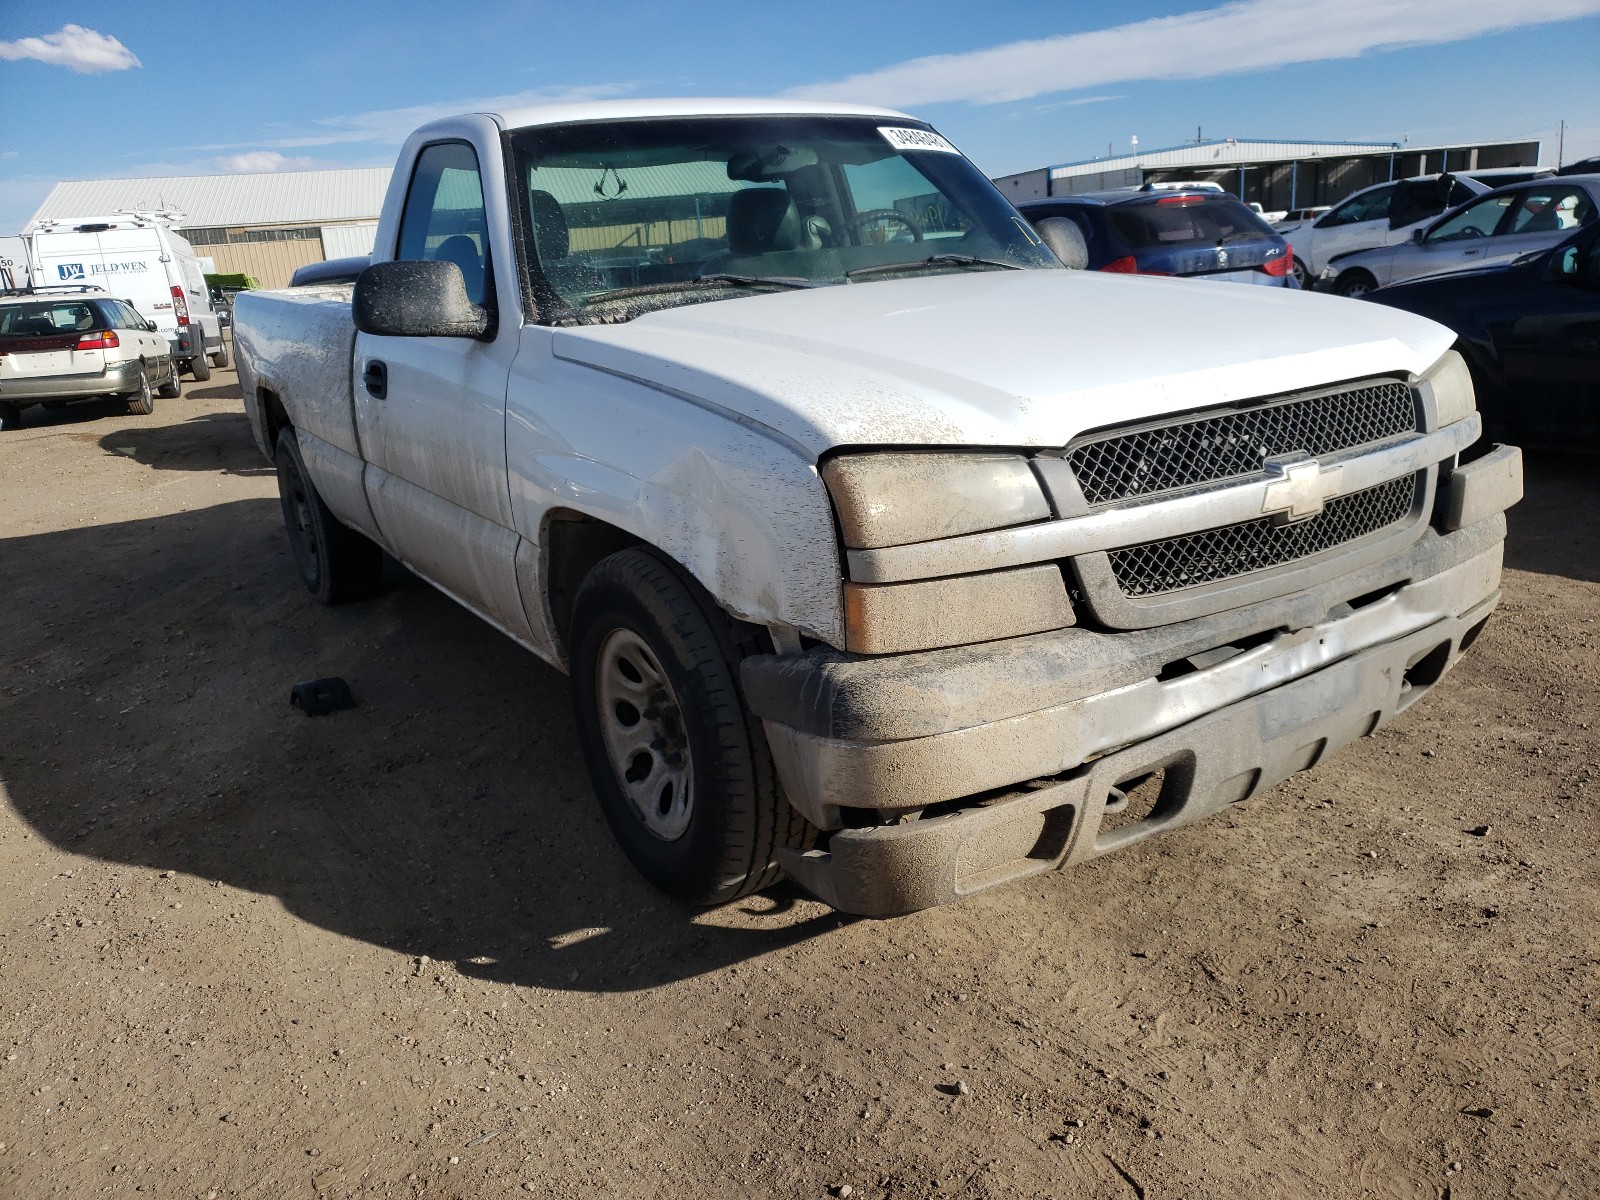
[
  {"x": 1170, "y": 221},
  {"x": 631, "y": 216}
]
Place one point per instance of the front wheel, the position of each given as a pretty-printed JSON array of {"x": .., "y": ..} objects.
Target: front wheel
[
  {"x": 200, "y": 368},
  {"x": 336, "y": 563},
  {"x": 219, "y": 357},
  {"x": 143, "y": 402},
  {"x": 173, "y": 387},
  {"x": 10, "y": 417},
  {"x": 681, "y": 768},
  {"x": 1354, "y": 284}
]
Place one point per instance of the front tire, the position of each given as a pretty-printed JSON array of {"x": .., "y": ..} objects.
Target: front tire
[
  {"x": 220, "y": 358},
  {"x": 336, "y": 563},
  {"x": 1355, "y": 284},
  {"x": 143, "y": 402},
  {"x": 680, "y": 766},
  {"x": 10, "y": 417},
  {"x": 200, "y": 368}
]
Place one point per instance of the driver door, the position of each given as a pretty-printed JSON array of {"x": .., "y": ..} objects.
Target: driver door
[{"x": 431, "y": 411}]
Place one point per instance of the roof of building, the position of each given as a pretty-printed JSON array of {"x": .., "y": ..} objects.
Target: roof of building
[
  {"x": 1221, "y": 152},
  {"x": 274, "y": 198}
]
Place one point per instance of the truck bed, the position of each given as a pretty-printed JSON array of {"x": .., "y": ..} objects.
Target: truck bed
[{"x": 298, "y": 345}]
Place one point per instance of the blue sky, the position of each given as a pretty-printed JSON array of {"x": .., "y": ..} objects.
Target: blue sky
[{"x": 96, "y": 91}]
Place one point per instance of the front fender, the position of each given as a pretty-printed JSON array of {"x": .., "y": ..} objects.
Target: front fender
[{"x": 741, "y": 509}]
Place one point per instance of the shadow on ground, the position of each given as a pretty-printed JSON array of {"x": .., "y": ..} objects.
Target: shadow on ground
[
  {"x": 146, "y": 720},
  {"x": 208, "y": 442},
  {"x": 1556, "y": 528}
]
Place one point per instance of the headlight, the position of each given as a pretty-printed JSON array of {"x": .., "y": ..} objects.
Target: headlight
[
  {"x": 1450, "y": 384},
  {"x": 895, "y": 618},
  {"x": 894, "y": 499},
  {"x": 898, "y": 498}
]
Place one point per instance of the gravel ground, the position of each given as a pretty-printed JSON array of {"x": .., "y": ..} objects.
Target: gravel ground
[{"x": 393, "y": 952}]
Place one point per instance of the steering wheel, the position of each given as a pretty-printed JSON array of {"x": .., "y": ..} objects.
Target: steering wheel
[{"x": 862, "y": 220}]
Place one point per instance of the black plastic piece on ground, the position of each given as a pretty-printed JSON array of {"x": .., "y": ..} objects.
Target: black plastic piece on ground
[{"x": 318, "y": 697}]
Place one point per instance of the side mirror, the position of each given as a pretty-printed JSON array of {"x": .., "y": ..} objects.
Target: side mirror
[
  {"x": 1065, "y": 239},
  {"x": 417, "y": 299},
  {"x": 1417, "y": 235},
  {"x": 150, "y": 326}
]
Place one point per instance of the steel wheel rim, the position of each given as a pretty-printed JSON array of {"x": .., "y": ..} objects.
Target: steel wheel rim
[{"x": 646, "y": 740}]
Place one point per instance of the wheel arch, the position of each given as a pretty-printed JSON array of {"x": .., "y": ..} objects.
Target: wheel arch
[{"x": 574, "y": 544}]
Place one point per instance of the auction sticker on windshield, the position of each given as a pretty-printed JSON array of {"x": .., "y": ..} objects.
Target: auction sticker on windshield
[{"x": 916, "y": 139}]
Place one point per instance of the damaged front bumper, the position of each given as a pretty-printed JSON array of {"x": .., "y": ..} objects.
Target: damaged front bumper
[{"x": 1000, "y": 759}]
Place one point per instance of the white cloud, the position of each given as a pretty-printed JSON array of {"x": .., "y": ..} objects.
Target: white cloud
[
  {"x": 255, "y": 161},
  {"x": 1247, "y": 35},
  {"x": 76, "y": 48},
  {"x": 394, "y": 125},
  {"x": 1093, "y": 100}
]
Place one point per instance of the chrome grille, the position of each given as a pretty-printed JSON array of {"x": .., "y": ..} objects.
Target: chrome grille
[
  {"x": 1238, "y": 443},
  {"x": 1198, "y": 558}
]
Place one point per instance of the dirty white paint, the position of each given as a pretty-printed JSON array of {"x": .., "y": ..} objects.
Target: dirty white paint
[{"x": 999, "y": 358}]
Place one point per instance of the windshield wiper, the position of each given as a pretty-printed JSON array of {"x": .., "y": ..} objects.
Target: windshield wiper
[
  {"x": 935, "y": 260},
  {"x": 703, "y": 281}
]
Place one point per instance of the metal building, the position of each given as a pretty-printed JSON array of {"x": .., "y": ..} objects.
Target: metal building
[
  {"x": 1275, "y": 174},
  {"x": 263, "y": 225}
]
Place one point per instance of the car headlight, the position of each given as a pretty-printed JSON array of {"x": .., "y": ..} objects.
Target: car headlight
[
  {"x": 894, "y": 499},
  {"x": 1449, "y": 383},
  {"x": 898, "y": 498}
]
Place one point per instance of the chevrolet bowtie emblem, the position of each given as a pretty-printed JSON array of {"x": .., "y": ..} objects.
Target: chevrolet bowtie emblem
[{"x": 1298, "y": 488}]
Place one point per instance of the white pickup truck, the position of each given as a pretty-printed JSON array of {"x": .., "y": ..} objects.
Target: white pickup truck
[{"x": 882, "y": 549}]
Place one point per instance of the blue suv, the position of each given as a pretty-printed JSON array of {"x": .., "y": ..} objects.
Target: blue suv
[{"x": 1152, "y": 231}]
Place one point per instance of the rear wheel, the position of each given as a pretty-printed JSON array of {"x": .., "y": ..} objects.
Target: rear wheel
[
  {"x": 336, "y": 563},
  {"x": 680, "y": 766},
  {"x": 1355, "y": 283},
  {"x": 1301, "y": 275},
  {"x": 10, "y": 417},
  {"x": 200, "y": 368},
  {"x": 143, "y": 402}
]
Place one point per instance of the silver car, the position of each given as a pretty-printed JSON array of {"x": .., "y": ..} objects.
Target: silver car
[{"x": 1497, "y": 228}]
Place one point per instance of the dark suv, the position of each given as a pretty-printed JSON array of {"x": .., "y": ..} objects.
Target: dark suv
[{"x": 1209, "y": 235}]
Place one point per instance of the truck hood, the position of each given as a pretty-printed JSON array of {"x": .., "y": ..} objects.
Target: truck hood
[{"x": 998, "y": 358}]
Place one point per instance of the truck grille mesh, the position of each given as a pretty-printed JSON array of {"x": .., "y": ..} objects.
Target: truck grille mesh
[
  {"x": 1149, "y": 461},
  {"x": 1216, "y": 554}
]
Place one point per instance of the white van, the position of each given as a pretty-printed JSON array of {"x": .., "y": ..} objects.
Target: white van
[{"x": 139, "y": 257}]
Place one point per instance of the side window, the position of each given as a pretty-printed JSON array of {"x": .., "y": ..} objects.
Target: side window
[
  {"x": 124, "y": 317},
  {"x": 1475, "y": 221},
  {"x": 444, "y": 219},
  {"x": 1552, "y": 209},
  {"x": 1368, "y": 206}
]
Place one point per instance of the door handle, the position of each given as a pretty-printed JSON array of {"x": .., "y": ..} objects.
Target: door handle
[{"x": 376, "y": 377}]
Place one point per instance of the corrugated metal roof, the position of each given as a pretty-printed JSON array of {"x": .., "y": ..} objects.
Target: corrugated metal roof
[
  {"x": 1221, "y": 153},
  {"x": 273, "y": 198}
]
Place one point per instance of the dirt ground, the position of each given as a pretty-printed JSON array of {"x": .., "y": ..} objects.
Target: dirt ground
[{"x": 393, "y": 952}]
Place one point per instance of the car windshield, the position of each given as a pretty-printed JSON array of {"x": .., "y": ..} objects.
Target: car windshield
[
  {"x": 631, "y": 216},
  {"x": 46, "y": 318},
  {"x": 1169, "y": 221}
]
